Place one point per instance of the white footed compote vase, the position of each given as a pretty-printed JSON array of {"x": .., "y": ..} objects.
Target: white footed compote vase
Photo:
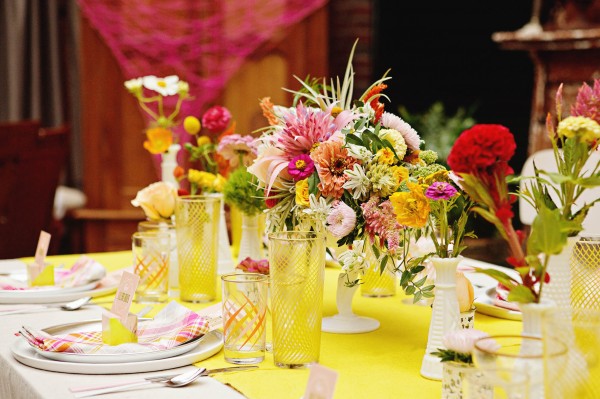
[
  {"x": 445, "y": 315},
  {"x": 250, "y": 243},
  {"x": 168, "y": 165},
  {"x": 558, "y": 290},
  {"x": 346, "y": 322}
]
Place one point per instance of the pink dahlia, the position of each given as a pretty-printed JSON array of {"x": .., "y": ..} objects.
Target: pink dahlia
[
  {"x": 304, "y": 127},
  {"x": 332, "y": 160},
  {"x": 300, "y": 167},
  {"x": 440, "y": 191},
  {"x": 216, "y": 119},
  {"x": 410, "y": 135},
  {"x": 235, "y": 148},
  {"x": 380, "y": 220},
  {"x": 342, "y": 220}
]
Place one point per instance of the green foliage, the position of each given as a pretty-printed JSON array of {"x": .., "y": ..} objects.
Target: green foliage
[
  {"x": 447, "y": 355},
  {"x": 242, "y": 191},
  {"x": 438, "y": 129}
]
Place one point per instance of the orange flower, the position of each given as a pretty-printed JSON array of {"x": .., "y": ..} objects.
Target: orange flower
[
  {"x": 159, "y": 140},
  {"x": 331, "y": 160},
  {"x": 372, "y": 97},
  {"x": 267, "y": 108}
]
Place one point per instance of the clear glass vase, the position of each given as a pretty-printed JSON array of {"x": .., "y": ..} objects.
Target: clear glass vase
[
  {"x": 197, "y": 226},
  {"x": 168, "y": 226},
  {"x": 297, "y": 269}
]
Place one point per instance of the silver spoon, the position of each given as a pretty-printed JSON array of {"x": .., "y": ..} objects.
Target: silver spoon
[
  {"x": 69, "y": 306},
  {"x": 175, "y": 382}
]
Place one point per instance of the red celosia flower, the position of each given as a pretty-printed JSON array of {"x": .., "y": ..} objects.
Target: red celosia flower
[
  {"x": 181, "y": 192},
  {"x": 504, "y": 213},
  {"x": 483, "y": 149}
]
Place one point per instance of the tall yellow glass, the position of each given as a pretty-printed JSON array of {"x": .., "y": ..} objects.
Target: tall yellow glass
[
  {"x": 197, "y": 227},
  {"x": 297, "y": 269}
]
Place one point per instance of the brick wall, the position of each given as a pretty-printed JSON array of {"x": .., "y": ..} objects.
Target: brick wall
[{"x": 349, "y": 20}]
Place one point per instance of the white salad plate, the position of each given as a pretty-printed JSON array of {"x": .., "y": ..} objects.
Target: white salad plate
[
  {"x": 95, "y": 358},
  {"x": 485, "y": 289},
  {"x": 206, "y": 346}
]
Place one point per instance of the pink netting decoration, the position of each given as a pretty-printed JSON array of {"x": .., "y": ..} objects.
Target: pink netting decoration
[{"x": 204, "y": 42}]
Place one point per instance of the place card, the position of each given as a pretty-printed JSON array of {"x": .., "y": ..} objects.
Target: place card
[
  {"x": 38, "y": 272},
  {"x": 321, "y": 383},
  {"x": 119, "y": 326}
]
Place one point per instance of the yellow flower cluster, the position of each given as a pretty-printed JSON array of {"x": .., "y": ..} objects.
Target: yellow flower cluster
[
  {"x": 302, "y": 193},
  {"x": 412, "y": 207},
  {"x": 586, "y": 129},
  {"x": 206, "y": 181}
]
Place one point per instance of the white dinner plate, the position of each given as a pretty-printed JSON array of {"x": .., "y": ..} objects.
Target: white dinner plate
[
  {"x": 95, "y": 358},
  {"x": 484, "y": 287},
  {"x": 54, "y": 294},
  {"x": 210, "y": 344}
]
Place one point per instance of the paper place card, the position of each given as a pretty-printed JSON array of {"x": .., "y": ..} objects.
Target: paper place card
[
  {"x": 38, "y": 273},
  {"x": 321, "y": 383},
  {"x": 124, "y": 297},
  {"x": 119, "y": 326}
]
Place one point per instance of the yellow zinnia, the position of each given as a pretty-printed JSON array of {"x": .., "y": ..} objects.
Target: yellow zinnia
[
  {"x": 159, "y": 140},
  {"x": 302, "y": 193},
  {"x": 412, "y": 207},
  {"x": 385, "y": 156}
]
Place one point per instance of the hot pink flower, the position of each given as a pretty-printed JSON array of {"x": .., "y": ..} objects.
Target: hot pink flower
[
  {"x": 300, "y": 167},
  {"x": 250, "y": 265},
  {"x": 304, "y": 127},
  {"x": 216, "y": 119},
  {"x": 342, "y": 220},
  {"x": 440, "y": 191}
]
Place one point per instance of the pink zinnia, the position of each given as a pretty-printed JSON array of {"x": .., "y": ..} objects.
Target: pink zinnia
[
  {"x": 440, "y": 191},
  {"x": 301, "y": 167},
  {"x": 341, "y": 221},
  {"x": 411, "y": 137},
  {"x": 250, "y": 265},
  {"x": 216, "y": 119},
  {"x": 304, "y": 127},
  {"x": 380, "y": 220}
]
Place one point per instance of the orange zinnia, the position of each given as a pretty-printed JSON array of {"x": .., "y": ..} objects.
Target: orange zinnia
[{"x": 159, "y": 140}]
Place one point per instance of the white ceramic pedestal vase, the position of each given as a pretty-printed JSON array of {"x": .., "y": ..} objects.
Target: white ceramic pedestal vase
[
  {"x": 250, "y": 243},
  {"x": 346, "y": 322},
  {"x": 168, "y": 165},
  {"x": 558, "y": 290},
  {"x": 226, "y": 264},
  {"x": 445, "y": 315}
]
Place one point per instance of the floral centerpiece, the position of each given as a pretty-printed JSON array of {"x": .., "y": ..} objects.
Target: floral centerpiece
[
  {"x": 346, "y": 167},
  {"x": 153, "y": 100}
]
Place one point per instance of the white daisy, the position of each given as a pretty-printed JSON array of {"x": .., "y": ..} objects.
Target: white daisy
[
  {"x": 134, "y": 85},
  {"x": 167, "y": 86}
]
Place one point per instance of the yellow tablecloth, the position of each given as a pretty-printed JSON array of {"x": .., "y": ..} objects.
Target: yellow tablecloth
[{"x": 381, "y": 364}]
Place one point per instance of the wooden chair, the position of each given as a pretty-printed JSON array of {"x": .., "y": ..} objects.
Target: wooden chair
[{"x": 31, "y": 160}]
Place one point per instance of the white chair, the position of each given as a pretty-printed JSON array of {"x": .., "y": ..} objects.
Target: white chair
[{"x": 544, "y": 159}]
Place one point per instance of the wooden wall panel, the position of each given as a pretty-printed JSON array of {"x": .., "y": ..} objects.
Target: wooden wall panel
[{"x": 116, "y": 165}]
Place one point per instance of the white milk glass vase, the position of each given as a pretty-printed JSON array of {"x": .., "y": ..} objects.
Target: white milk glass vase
[
  {"x": 250, "y": 242},
  {"x": 168, "y": 165}
]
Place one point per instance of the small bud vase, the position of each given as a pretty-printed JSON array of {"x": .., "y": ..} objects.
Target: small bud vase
[
  {"x": 445, "y": 315},
  {"x": 168, "y": 165},
  {"x": 226, "y": 264},
  {"x": 250, "y": 243},
  {"x": 559, "y": 269}
]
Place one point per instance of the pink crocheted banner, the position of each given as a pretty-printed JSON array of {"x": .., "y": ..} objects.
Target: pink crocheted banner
[{"x": 204, "y": 42}]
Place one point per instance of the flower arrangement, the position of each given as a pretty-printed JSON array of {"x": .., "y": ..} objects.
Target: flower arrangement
[
  {"x": 349, "y": 168},
  {"x": 157, "y": 200},
  {"x": 459, "y": 345},
  {"x": 573, "y": 139},
  {"x": 214, "y": 167},
  {"x": 160, "y": 134}
]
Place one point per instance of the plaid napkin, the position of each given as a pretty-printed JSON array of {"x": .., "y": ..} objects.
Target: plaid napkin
[
  {"x": 173, "y": 326},
  {"x": 83, "y": 271}
]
